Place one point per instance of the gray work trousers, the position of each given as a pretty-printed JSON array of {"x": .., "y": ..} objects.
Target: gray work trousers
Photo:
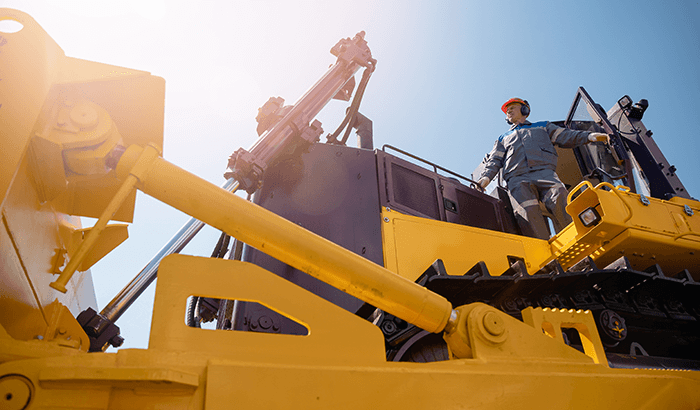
[{"x": 527, "y": 191}]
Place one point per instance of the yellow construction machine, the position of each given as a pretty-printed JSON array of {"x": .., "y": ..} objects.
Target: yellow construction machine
[{"x": 358, "y": 277}]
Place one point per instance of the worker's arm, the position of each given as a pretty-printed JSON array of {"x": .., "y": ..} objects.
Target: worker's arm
[
  {"x": 567, "y": 138},
  {"x": 494, "y": 162}
]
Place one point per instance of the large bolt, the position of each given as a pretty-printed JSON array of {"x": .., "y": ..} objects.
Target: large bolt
[
  {"x": 493, "y": 324},
  {"x": 489, "y": 325},
  {"x": 389, "y": 327},
  {"x": 15, "y": 392},
  {"x": 265, "y": 322},
  {"x": 84, "y": 116}
]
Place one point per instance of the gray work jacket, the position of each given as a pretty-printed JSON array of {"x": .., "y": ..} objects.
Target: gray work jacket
[{"x": 530, "y": 147}]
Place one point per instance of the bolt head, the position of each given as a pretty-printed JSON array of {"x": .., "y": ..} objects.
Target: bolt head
[
  {"x": 84, "y": 116},
  {"x": 15, "y": 392},
  {"x": 493, "y": 324},
  {"x": 389, "y": 327},
  {"x": 116, "y": 341},
  {"x": 265, "y": 322}
]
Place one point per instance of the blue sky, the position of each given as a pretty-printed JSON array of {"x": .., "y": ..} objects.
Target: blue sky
[{"x": 444, "y": 68}]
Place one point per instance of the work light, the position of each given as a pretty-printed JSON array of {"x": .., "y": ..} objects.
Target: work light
[{"x": 589, "y": 217}]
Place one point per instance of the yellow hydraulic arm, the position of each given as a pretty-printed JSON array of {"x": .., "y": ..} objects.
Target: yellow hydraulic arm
[{"x": 281, "y": 239}]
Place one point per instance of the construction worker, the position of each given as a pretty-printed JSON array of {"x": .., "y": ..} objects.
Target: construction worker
[{"x": 527, "y": 156}]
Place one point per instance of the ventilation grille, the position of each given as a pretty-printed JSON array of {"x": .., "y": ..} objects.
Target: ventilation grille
[{"x": 415, "y": 191}]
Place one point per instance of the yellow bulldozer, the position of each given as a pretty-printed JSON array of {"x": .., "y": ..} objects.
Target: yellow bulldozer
[{"x": 350, "y": 277}]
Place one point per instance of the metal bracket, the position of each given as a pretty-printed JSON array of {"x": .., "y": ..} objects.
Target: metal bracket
[
  {"x": 486, "y": 333},
  {"x": 644, "y": 200},
  {"x": 552, "y": 321},
  {"x": 136, "y": 173},
  {"x": 101, "y": 331},
  {"x": 688, "y": 210}
]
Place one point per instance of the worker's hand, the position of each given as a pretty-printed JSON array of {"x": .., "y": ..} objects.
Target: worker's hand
[
  {"x": 599, "y": 136},
  {"x": 484, "y": 182}
]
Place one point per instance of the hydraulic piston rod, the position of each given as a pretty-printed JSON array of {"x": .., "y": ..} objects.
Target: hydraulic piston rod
[{"x": 290, "y": 243}]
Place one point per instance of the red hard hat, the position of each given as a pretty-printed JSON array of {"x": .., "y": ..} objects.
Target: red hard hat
[{"x": 505, "y": 105}]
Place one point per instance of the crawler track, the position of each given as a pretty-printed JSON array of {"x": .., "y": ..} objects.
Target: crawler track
[{"x": 638, "y": 313}]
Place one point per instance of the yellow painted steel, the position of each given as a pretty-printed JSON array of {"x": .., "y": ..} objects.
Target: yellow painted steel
[
  {"x": 552, "y": 321},
  {"x": 63, "y": 336},
  {"x": 141, "y": 166},
  {"x": 412, "y": 244},
  {"x": 661, "y": 232},
  {"x": 150, "y": 379},
  {"x": 339, "y": 365},
  {"x": 333, "y": 335},
  {"x": 34, "y": 241},
  {"x": 111, "y": 237},
  {"x": 55, "y": 105},
  {"x": 66, "y": 104},
  {"x": 27, "y": 86},
  {"x": 289, "y": 243},
  {"x": 489, "y": 334}
]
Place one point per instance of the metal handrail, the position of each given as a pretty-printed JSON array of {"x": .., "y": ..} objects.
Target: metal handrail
[{"x": 435, "y": 166}]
